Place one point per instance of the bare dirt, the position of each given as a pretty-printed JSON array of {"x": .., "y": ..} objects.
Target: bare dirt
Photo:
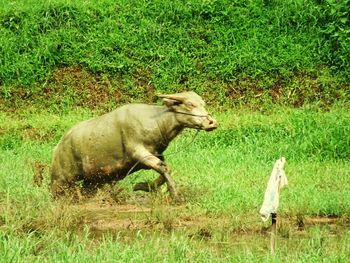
[{"x": 150, "y": 215}]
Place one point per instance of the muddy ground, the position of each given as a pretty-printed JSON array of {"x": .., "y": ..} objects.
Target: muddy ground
[{"x": 157, "y": 214}]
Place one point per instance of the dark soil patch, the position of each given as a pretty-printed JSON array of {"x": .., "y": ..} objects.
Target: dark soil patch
[{"x": 77, "y": 87}]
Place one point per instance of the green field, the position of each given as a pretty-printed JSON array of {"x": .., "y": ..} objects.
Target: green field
[
  {"x": 275, "y": 74},
  {"x": 222, "y": 177}
]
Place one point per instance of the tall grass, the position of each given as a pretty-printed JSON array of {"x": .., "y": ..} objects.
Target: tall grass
[{"x": 315, "y": 248}]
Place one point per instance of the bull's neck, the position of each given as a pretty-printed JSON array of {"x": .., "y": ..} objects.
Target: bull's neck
[{"x": 168, "y": 126}]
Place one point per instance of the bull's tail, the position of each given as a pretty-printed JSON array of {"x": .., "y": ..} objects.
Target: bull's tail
[{"x": 39, "y": 169}]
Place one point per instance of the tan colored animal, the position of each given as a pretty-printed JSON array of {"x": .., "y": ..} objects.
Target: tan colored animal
[{"x": 130, "y": 138}]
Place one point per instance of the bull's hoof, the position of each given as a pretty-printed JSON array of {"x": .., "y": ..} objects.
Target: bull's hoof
[
  {"x": 176, "y": 198},
  {"x": 144, "y": 186}
]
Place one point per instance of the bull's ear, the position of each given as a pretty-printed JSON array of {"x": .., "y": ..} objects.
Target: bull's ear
[
  {"x": 171, "y": 103},
  {"x": 172, "y": 100}
]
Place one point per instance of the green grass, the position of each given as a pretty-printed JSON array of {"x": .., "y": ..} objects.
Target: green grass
[
  {"x": 316, "y": 248},
  {"x": 173, "y": 43},
  {"x": 222, "y": 176}
]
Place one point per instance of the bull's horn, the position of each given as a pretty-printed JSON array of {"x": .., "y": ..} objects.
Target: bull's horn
[{"x": 173, "y": 97}]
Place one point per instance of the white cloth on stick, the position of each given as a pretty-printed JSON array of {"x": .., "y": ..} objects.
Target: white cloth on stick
[{"x": 278, "y": 179}]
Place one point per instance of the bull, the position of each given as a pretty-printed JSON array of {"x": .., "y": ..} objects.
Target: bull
[{"x": 132, "y": 137}]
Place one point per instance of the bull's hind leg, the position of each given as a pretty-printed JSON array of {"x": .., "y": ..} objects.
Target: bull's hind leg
[
  {"x": 67, "y": 192},
  {"x": 61, "y": 189},
  {"x": 65, "y": 189}
]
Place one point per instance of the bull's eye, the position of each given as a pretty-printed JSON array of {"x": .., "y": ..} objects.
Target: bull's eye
[{"x": 189, "y": 104}]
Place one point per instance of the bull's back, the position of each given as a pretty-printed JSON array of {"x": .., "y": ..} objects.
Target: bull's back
[
  {"x": 99, "y": 144},
  {"x": 87, "y": 146}
]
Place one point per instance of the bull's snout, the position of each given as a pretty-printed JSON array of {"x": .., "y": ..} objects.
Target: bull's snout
[{"x": 212, "y": 124}]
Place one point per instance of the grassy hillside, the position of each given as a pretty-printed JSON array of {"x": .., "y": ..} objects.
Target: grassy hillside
[{"x": 227, "y": 50}]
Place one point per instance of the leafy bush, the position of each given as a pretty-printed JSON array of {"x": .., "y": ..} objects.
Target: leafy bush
[{"x": 336, "y": 30}]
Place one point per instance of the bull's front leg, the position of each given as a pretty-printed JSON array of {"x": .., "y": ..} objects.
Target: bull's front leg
[{"x": 153, "y": 162}]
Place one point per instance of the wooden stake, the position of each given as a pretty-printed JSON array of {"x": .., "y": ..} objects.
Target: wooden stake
[{"x": 273, "y": 233}]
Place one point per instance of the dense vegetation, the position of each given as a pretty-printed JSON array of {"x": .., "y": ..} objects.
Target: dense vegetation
[{"x": 293, "y": 51}]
